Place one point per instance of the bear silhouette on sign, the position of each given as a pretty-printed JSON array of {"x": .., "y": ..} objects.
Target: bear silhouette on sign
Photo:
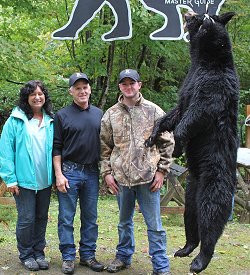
[
  {"x": 85, "y": 10},
  {"x": 205, "y": 125},
  {"x": 171, "y": 11}
]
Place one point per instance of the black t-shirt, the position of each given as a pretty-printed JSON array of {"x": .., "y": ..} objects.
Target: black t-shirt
[{"x": 76, "y": 134}]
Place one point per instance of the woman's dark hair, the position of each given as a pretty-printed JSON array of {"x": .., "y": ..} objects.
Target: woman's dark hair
[{"x": 26, "y": 90}]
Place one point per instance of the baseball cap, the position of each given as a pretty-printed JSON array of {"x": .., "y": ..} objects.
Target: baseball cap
[
  {"x": 76, "y": 76},
  {"x": 133, "y": 74}
]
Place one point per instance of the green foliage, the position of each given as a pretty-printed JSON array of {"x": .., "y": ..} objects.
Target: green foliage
[
  {"x": 233, "y": 242},
  {"x": 7, "y": 213},
  {"x": 239, "y": 29},
  {"x": 27, "y": 51}
]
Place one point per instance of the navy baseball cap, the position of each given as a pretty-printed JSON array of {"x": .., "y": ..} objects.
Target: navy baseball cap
[
  {"x": 130, "y": 73},
  {"x": 76, "y": 76}
]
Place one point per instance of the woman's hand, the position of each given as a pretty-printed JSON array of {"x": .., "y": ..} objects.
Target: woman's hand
[{"x": 14, "y": 190}]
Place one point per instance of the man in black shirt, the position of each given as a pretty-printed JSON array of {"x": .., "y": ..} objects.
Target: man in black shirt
[{"x": 76, "y": 152}]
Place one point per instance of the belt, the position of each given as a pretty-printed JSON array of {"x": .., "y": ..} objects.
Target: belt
[{"x": 81, "y": 166}]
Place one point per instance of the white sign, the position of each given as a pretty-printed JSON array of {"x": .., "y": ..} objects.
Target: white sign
[{"x": 85, "y": 10}]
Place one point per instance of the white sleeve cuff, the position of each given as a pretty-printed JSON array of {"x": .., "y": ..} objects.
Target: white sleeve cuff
[{"x": 11, "y": 184}]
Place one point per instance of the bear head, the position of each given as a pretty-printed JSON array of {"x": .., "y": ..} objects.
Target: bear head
[{"x": 209, "y": 39}]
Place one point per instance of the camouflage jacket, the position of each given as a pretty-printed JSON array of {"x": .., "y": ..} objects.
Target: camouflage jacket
[{"x": 123, "y": 153}]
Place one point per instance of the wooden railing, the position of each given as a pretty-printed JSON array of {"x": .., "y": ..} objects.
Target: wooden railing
[
  {"x": 175, "y": 190},
  {"x": 3, "y": 199}
]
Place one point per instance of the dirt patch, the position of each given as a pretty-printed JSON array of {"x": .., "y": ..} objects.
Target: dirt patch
[{"x": 10, "y": 265}]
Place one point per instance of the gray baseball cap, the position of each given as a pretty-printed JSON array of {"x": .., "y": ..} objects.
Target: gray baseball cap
[
  {"x": 130, "y": 73},
  {"x": 76, "y": 76}
]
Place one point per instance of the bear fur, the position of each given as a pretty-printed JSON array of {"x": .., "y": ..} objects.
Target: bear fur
[{"x": 205, "y": 124}]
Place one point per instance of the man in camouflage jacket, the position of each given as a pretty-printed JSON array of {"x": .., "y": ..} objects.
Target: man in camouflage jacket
[{"x": 134, "y": 172}]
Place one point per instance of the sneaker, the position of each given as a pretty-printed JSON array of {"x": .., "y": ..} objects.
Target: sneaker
[
  {"x": 31, "y": 264},
  {"x": 68, "y": 267},
  {"x": 42, "y": 262},
  {"x": 161, "y": 273},
  {"x": 116, "y": 266},
  {"x": 92, "y": 264}
]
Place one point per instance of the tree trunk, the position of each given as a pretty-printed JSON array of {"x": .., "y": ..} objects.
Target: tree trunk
[{"x": 106, "y": 82}]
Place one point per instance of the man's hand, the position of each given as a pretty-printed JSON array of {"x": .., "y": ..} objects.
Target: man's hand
[
  {"x": 14, "y": 190},
  {"x": 62, "y": 183},
  {"x": 158, "y": 182},
  {"x": 112, "y": 185}
]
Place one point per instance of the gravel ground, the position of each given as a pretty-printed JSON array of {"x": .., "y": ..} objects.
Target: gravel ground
[{"x": 10, "y": 265}]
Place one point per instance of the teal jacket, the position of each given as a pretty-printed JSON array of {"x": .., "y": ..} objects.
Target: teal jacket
[{"x": 16, "y": 156}]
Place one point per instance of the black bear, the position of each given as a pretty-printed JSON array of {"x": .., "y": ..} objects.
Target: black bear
[{"x": 205, "y": 124}]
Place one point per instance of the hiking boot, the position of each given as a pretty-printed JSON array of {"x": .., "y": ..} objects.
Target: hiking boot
[
  {"x": 42, "y": 262},
  {"x": 31, "y": 264},
  {"x": 68, "y": 267},
  {"x": 92, "y": 264},
  {"x": 116, "y": 266},
  {"x": 161, "y": 273}
]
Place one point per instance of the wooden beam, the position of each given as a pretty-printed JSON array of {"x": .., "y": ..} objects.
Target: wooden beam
[
  {"x": 238, "y": 200},
  {"x": 172, "y": 210},
  {"x": 243, "y": 185},
  {"x": 7, "y": 201},
  {"x": 3, "y": 188}
]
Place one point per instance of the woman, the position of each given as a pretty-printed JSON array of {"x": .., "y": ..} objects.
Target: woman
[{"x": 26, "y": 167}]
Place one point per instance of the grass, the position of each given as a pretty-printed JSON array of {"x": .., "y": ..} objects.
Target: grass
[{"x": 232, "y": 254}]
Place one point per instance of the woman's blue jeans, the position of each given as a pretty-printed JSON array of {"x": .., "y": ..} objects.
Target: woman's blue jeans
[
  {"x": 32, "y": 217},
  {"x": 149, "y": 203},
  {"x": 84, "y": 184}
]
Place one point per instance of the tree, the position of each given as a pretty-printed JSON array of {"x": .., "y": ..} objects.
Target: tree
[{"x": 27, "y": 51}]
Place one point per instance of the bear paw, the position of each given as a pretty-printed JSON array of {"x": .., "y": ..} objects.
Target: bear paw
[
  {"x": 150, "y": 141},
  {"x": 185, "y": 251},
  {"x": 199, "y": 263}
]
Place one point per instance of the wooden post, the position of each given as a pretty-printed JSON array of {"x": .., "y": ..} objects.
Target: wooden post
[
  {"x": 247, "y": 128},
  {"x": 5, "y": 200},
  {"x": 3, "y": 188}
]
